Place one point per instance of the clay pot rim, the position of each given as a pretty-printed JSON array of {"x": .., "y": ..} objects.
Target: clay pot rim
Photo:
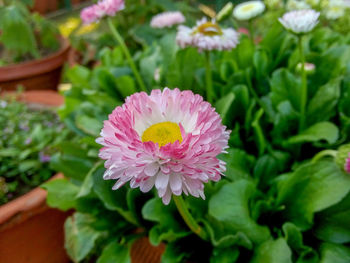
[
  {"x": 45, "y": 98},
  {"x": 29, "y": 201},
  {"x": 30, "y": 68}
]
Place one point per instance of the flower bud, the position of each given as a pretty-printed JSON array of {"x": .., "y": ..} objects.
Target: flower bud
[
  {"x": 225, "y": 12},
  {"x": 343, "y": 157},
  {"x": 308, "y": 67}
]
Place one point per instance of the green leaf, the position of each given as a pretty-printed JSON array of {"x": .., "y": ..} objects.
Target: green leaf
[
  {"x": 294, "y": 240},
  {"x": 79, "y": 75},
  {"x": 273, "y": 251},
  {"x": 168, "y": 226},
  {"x": 223, "y": 106},
  {"x": 89, "y": 125},
  {"x": 115, "y": 252},
  {"x": 230, "y": 206},
  {"x": 322, "y": 106},
  {"x": 126, "y": 86},
  {"x": 333, "y": 223},
  {"x": 258, "y": 132},
  {"x": 285, "y": 87},
  {"x": 313, "y": 187},
  {"x": 80, "y": 236},
  {"x": 261, "y": 63},
  {"x": 173, "y": 254},
  {"x": 17, "y": 34},
  {"x": 331, "y": 253},
  {"x": 61, "y": 194},
  {"x": 238, "y": 164},
  {"x": 9, "y": 152},
  {"x": 114, "y": 200},
  {"x": 224, "y": 255},
  {"x": 320, "y": 131}
]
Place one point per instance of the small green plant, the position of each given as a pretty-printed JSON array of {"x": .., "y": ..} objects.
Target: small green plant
[
  {"x": 24, "y": 36},
  {"x": 27, "y": 141}
]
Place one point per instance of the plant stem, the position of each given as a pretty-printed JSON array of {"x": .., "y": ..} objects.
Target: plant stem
[
  {"x": 303, "y": 96},
  {"x": 187, "y": 217},
  {"x": 251, "y": 31},
  {"x": 318, "y": 156},
  {"x": 121, "y": 42},
  {"x": 252, "y": 91},
  {"x": 208, "y": 78}
]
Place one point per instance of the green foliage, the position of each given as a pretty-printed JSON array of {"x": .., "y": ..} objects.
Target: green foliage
[
  {"x": 275, "y": 203},
  {"x": 24, "y": 35},
  {"x": 28, "y": 140}
]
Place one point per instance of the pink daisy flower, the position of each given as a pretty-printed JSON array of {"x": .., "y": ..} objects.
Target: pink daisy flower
[
  {"x": 167, "y": 19},
  {"x": 103, "y": 8},
  {"x": 168, "y": 140}
]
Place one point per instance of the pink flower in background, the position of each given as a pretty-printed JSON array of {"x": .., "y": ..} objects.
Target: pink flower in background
[
  {"x": 103, "y": 8},
  {"x": 168, "y": 140},
  {"x": 347, "y": 164},
  {"x": 167, "y": 19},
  {"x": 207, "y": 35}
]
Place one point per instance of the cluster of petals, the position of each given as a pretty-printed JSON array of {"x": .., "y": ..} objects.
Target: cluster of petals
[
  {"x": 347, "y": 164},
  {"x": 174, "y": 168},
  {"x": 103, "y": 8},
  {"x": 335, "y": 9},
  {"x": 300, "y": 21},
  {"x": 187, "y": 36},
  {"x": 248, "y": 10},
  {"x": 167, "y": 19}
]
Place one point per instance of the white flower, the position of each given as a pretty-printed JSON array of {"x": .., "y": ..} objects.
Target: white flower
[
  {"x": 207, "y": 35},
  {"x": 335, "y": 9},
  {"x": 300, "y": 21},
  {"x": 297, "y": 5},
  {"x": 248, "y": 10},
  {"x": 167, "y": 19}
]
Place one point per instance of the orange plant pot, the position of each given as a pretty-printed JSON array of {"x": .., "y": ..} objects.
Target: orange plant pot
[
  {"x": 30, "y": 231},
  {"x": 45, "y": 6},
  {"x": 39, "y": 74}
]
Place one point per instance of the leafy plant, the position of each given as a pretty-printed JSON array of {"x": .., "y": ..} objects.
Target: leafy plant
[
  {"x": 27, "y": 142},
  {"x": 284, "y": 198},
  {"x": 25, "y": 36}
]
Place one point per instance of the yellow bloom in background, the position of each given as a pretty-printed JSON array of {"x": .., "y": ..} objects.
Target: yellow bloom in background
[
  {"x": 87, "y": 28},
  {"x": 69, "y": 26}
]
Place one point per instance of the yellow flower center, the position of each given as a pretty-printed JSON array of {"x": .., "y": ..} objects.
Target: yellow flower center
[
  {"x": 209, "y": 29},
  {"x": 162, "y": 133},
  {"x": 248, "y": 7}
]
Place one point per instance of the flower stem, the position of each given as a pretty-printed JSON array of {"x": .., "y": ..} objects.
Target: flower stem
[
  {"x": 121, "y": 42},
  {"x": 187, "y": 217},
  {"x": 303, "y": 97},
  {"x": 331, "y": 153},
  {"x": 208, "y": 78},
  {"x": 251, "y": 31}
]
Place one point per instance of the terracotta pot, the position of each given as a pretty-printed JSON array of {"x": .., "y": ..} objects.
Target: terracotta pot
[
  {"x": 45, "y": 6},
  {"x": 40, "y": 74},
  {"x": 143, "y": 252},
  {"x": 30, "y": 231}
]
